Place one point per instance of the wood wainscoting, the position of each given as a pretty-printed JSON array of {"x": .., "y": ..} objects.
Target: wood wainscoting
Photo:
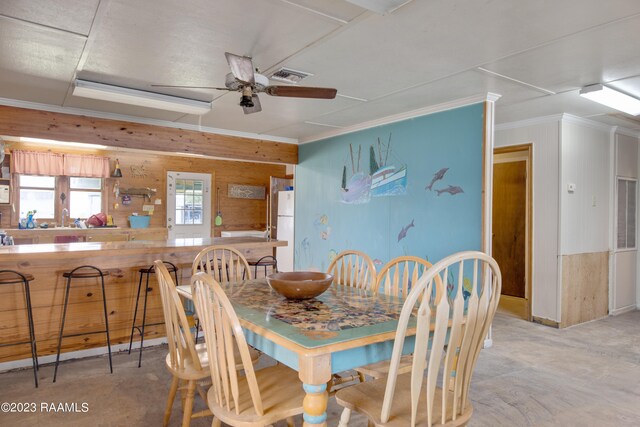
[{"x": 585, "y": 288}]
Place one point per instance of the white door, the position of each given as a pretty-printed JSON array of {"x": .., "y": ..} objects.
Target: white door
[{"x": 188, "y": 205}]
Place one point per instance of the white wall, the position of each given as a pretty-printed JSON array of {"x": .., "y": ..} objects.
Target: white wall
[
  {"x": 545, "y": 138},
  {"x": 584, "y": 162}
]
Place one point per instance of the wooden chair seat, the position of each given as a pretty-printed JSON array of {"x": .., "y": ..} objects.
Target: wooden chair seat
[
  {"x": 381, "y": 369},
  {"x": 366, "y": 398},
  {"x": 282, "y": 396}
]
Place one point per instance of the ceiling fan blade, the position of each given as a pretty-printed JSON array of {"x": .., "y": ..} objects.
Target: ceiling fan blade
[
  {"x": 256, "y": 105},
  {"x": 193, "y": 87},
  {"x": 241, "y": 67},
  {"x": 302, "y": 92}
]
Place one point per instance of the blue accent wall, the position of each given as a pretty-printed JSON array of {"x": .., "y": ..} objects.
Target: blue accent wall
[{"x": 329, "y": 221}]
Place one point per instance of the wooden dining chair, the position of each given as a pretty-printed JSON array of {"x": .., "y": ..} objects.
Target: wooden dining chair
[
  {"x": 257, "y": 398},
  {"x": 187, "y": 362},
  {"x": 354, "y": 268},
  {"x": 396, "y": 279},
  {"x": 223, "y": 263},
  {"x": 450, "y": 327}
]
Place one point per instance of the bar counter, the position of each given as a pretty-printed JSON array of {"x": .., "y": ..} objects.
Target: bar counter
[{"x": 47, "y": 262}]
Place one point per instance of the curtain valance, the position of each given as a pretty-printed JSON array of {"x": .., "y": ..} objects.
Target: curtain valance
[{"x": 54, "y": 164}]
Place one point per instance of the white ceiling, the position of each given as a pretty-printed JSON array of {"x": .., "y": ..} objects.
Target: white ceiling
[{"x": 536, "y": 54}]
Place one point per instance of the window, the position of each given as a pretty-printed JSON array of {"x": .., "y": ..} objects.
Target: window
[
  {"x": 37, "y": 193},
  {"x": 189, "y": 196},
  {"x": 626, "y": 221},
  {"x": 85, "y": 197}
]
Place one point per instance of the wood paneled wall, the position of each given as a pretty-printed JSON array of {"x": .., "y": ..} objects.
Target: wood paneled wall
[
  {"x": 585, "y": 287},
  {"x": 238, "y": 214},
  {"x": 116, "y": 133}
]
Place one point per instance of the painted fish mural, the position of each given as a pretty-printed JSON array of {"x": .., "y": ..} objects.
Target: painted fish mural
[
  {"x": 436, "y": 177},
  {"x": 403, "y": 232},
  {"x": 452, "y": 189}
]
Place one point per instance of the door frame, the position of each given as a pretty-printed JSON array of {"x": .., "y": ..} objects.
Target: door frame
[{"x": 518, "y": 153}]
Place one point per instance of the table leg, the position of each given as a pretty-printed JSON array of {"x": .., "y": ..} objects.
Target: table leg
[
  {"x": 315, "y": 405},
  {"x": 315, "y": 372}
]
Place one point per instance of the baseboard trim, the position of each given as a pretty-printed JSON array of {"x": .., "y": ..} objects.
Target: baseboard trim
[
  {"x": 545, "y": 322},
  {"x": 79, "y": 354},
  {"x": 619, "y": 311}
]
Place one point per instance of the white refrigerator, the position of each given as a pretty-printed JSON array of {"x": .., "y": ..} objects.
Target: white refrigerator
[{"x": 284, "y": 255}]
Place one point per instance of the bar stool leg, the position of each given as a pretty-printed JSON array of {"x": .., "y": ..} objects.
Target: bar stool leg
[
  {"x": 32, "y": 334},
  {"x": 106, "y": 320},
  {"x": 135, "y": 314},
  {"x": 144, "y": 318},
  {"x": 64, "y": 315}
]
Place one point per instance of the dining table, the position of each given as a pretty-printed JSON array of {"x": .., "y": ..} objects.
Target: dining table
[{"x": 341, "y": 329}]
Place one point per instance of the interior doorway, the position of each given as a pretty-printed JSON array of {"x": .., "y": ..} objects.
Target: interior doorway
[
  {"x": 188, "y": 205},
  {"x": 512, "y": 225}
]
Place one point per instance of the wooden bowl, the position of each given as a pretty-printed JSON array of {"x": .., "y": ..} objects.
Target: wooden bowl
[{"x": 300, "y": 284}]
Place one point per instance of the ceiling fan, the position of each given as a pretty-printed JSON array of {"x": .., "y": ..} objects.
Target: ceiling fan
[{"x": 245, "y": 79}]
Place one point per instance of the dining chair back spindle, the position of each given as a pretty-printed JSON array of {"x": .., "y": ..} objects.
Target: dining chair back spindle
[
  {"x": 223, "y": 263},
  {"x": 452, "y": 317},
  {"x": 398, "y": 275},
  {"x": 257, "y": 398},
  {"x": 396, "y": 279},
  {"x": 186, "y": 361},
  {"x": 354, "y": 268}
]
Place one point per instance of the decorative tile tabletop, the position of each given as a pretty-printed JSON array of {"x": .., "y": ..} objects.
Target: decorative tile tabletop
[{"x": 340, "y": 314}]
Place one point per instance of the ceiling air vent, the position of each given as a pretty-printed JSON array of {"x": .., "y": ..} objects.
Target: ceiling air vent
[{"x": 290, "y": 76}]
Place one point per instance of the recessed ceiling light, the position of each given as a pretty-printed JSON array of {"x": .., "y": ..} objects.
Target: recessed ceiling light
[
  {"x": 123, "y": 95},
  {"x": 612, "y": 98}
]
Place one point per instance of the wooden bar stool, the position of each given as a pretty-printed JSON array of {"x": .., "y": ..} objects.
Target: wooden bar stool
[
  {"x": 83, "y": 272},
  {"x": 10, "y": 277},
  {"x": 148, "y": 271},
  {"x": 266, "y": 262}
]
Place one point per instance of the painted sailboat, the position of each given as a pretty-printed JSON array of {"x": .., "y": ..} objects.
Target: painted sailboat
[
  {"x": 355, "y": 189},
  {"x": 386, "y": 180}
]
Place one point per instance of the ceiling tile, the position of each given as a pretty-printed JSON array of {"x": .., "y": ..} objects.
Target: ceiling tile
[
  {"x": 338, "y": 9},
  {"x": 37, "y": 63},
  {"x": 424, "y": 41},
  {"x": 184, "y": 44},
  {"x": 68, "y": 15},
  {"x": 460, "y": 86},
  {"x": 601, "y": 55},
  {"x": 299, "y": 131},
  {"x": 568, "y": 102},
  {"x": 276, "y": 112}
]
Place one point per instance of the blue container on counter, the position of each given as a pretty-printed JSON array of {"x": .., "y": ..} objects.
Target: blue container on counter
[{"x": 140, "y": 221}]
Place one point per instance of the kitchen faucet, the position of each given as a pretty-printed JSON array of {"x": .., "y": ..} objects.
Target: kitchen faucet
[{"x": 65, "y": 214}]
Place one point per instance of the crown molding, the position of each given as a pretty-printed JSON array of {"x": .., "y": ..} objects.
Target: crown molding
[
  {"x": 620, "y": 130},
  {"x": 570, "y": 118},
  {"x": 529, "y": 122},
  {"x": 154, "y": 122},
  {"x": 475, "y": 99}
]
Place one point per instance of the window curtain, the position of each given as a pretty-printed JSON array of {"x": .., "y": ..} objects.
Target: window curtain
[
  {"x": 37, "y": 163},
  {"x": 86, "y": 166},
  {"x": 53, "y": 164}
]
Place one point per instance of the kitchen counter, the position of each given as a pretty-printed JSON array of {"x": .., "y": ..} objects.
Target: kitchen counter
[
  {"x": 95, "y": 234},
  {"x": 123, "y": 259}
]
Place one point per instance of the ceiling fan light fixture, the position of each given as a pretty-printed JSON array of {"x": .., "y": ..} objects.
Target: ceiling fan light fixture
[
  {"x": 122, "y": 95},
  {"x": 612, "y": 98},
  {"x": 246, "y": 99}
]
